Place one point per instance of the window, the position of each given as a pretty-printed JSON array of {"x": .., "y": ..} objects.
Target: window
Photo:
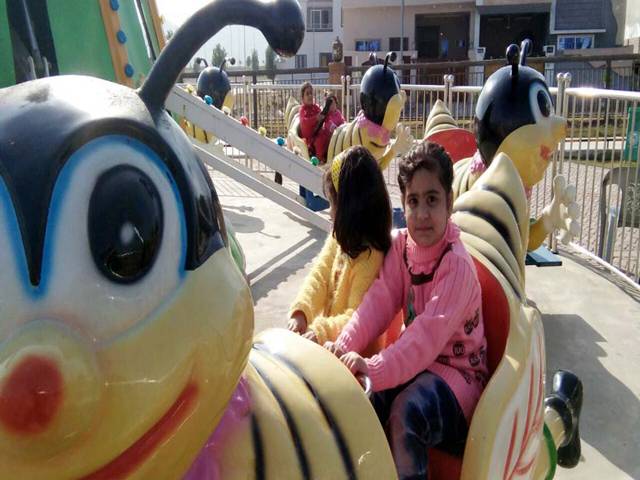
[
  {"x": 319, "y": 19},
  {"x": 575, "y": 42},
  {"x": 368, "y": 45},
  {"x": 301, "y": 61},
  {"x": 394, "y": 43},
  {"x": 325, "y": 58}
]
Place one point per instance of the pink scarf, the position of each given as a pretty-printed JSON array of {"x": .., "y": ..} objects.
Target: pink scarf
[
  {"x": 373, "y": 129},
  {"x": 477, "y": 164}
]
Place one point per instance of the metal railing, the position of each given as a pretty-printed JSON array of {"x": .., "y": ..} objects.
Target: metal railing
[
  {"x": 612, "y": 71},
  {"x": 600, "y": 155}
]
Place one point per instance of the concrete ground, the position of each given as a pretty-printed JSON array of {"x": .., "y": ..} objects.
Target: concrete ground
[{"x": 591, "y": 320}]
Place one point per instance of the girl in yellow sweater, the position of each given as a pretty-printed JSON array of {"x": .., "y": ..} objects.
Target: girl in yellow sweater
[{"x": 353, "y": 254}]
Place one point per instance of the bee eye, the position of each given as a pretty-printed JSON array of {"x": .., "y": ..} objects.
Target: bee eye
[
  {"x": 125, "y": 224},
  {"x": 540, "y": 102},
  {"x": 544, "y": 103}
]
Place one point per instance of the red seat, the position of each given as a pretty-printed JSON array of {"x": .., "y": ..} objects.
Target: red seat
[
  {"x": 458, "y": 142},
  {"x": 495, "y": 313}
]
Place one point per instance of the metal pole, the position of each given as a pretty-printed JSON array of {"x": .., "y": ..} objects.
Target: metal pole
[
  {"x": 33, "y": 42},
  {"x": 255, "y": 100},
  {"x": 607, "y": 75},
  {"x": 401, "y": 31}
]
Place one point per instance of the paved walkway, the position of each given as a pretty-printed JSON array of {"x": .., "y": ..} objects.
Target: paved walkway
[{"x": 592, "y": 324}]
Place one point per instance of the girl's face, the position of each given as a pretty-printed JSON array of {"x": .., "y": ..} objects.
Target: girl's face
[
  {"x": 307, "y": 96},
  {"x": 427, "y": 208}
]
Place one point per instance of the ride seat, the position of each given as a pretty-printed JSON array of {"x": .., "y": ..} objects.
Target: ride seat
[
  {"x": 458, "y": 142},
  {"x": 495, "y": 313}
]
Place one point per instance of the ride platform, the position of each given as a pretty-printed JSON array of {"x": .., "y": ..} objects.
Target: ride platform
[{"x": 591, "y": 319}]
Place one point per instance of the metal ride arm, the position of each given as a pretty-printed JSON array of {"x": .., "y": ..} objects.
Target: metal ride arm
[
  {"x": 245, "y": 139},
  {"x": 255, "y": 181}
]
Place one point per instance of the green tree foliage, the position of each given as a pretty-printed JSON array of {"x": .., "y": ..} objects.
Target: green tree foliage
[
  {"x": 270, "y": 62},
  {"x": 255, "y": 61},
  {"x": 218, "y": 55}
]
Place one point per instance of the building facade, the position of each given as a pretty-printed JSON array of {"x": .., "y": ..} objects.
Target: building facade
[
  {"x": 443, "y": 30},
  {"x": 632, "y": 25},
  {"x": 323, "y": 20}
]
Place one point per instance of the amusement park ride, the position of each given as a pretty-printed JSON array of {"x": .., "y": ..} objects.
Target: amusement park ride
[{"x": 126, "y": 328}]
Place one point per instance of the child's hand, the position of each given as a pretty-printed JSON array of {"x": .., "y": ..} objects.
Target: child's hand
[
  {"x": 298, "y": 323},
  {"x": 334, "y": 348},
  {"x": 310, "y": 335},
  {"x": 355, "y": 363}
]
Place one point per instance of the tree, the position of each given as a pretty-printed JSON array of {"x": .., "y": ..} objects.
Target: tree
[
  {"x": 270, "y": 62},
  {"x": 218, "y": 55},
  {"x": 254, "y": 61}
]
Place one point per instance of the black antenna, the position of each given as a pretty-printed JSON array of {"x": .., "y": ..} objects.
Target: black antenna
[
  {"x": 230, "y": 60},
  {"x": 200, "y": 60},
  {"x": 513, "y": 56},
  {"x": 280, "y": 21},
  {"x": 525, "y": 49},
  {"x": 390, "y": 57}
]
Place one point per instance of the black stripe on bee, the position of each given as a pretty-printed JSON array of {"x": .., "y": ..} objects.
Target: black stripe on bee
[
  {"x": 258, "y": 448},
  {"x": 504, "y": 196},
  {"x": 495, "y": 222},
  {"x": 293, "y": 428},
  {"x": 339, "y": 437},
  {"x": 514, "y": 287}
]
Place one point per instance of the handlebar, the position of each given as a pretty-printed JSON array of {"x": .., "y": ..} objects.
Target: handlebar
[{"x": 365, "y": 383}]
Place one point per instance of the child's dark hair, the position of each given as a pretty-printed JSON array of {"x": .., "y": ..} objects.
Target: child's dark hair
[
  {"x": 332, "y": 96},
  {"x": 363, "y": 208},
  {"x": 430, "y": 156},
  {"x": 303, "y": 87}
]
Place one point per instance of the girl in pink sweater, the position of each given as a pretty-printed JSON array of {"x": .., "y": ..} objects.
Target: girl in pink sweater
[{"x": 428, "y": 382}]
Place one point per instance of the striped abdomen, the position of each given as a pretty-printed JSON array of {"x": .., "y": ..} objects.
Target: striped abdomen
[{"x": 309, "y": 418}]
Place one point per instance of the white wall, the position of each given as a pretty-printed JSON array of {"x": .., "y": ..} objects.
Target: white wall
[
  {"x": 632, "y": 23},
  {"x": 317, "y": 42},
  {"x": 383, "y": 21}
]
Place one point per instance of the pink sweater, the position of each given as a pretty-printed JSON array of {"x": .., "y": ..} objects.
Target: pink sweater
[{"x": 447, "y": 335}]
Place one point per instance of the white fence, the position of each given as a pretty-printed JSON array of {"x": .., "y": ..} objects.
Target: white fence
[{"x": 600, "y": 155}]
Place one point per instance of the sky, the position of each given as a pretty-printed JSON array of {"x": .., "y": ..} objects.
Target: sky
[{"x": 236, "y": 39}]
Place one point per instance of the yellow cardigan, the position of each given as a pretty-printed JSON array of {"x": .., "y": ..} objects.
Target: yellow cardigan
[{"x": 335, "y": 287}]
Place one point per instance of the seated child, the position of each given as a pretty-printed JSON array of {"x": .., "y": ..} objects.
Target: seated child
[
  {"x": 325, "y": 130},
  {"x": 309, "y": 113},
  {"x": 429, "y": 381},
  {"x": 352, "y": 254},
  {"x": 317, "y": 126}
]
